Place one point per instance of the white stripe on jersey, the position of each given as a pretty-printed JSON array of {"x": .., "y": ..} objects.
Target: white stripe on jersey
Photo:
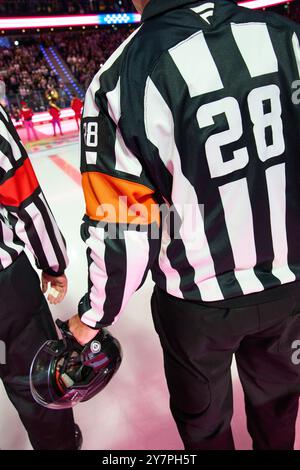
[
  {"x": 91, "y": 158},
  {"x": 159, "y": 125},
  {"x": 58, "y": 235},
  {"x": 42, "y": 233},
  {"x": 196, "y": 65},
  {"x": 8, "y": 237},
  {"x": 255, "y": 45},
  {"x": 296, "y": 47},
  {"x": 4, "y": 162},
  {"x": 239, "y": 222},
  {"x": 98, "y": 275},
  {"x": 91, "y": 317},
  {"x": 276, "y": 183},
  {"x": 4, "y": 132},
  {"x": 22, "y": 234},
  {"x": 90, "y": 106},
  {"x": 137, "y": 257},
  {"x": 172, "y": 276},
  {"x": 5, "y": 257},
  {"x": 125, "y": 160},
  {"x": 114, "y": 102}
]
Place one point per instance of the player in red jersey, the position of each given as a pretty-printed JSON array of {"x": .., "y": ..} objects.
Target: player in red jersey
[
  {"x": 54, "y": 111},
  {"x": 27, "y": 114},
  {"x": 77, "y": 105}
]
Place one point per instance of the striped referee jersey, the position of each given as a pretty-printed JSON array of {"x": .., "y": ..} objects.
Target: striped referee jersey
[
  {"x": 197, "y": 113},
  {"x": 25, "y": 217}
]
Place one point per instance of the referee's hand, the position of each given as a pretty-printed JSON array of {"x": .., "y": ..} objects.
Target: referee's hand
[
  {"x": 58, "y": 287},
  {"x": 81, "y": 332}
]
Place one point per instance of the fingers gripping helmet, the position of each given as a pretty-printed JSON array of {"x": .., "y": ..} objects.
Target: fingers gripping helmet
[{"x": 64, "y": 373}]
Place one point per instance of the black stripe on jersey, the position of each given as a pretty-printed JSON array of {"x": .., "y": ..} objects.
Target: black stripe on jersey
[
  {"x": 34, "y": 239},
  {"x": 1, "y": 265},
  {"x": 84, "y": 306},
  {"x": 163, "y": 177},
  {"x": 176, "y": 253},
  {"x": 51, "y": 233},
  {"x": 16, "y": 239},
  {"x": 116, "y": 268},
  {"x": 85, "y": 234},
  {"x": 90, "y": 261},
  {"x": 6, "y": 149},
  {"x": 12, "y": 130},
  {"x": 154, "y": 239},
  {"x": 11, "y": 251},
  {"x": 262, "y": 232},
  {"x": 12, "y": 219},
  {"x": 159, "y": 276}
]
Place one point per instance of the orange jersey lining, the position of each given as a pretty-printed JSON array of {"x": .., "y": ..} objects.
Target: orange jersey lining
[{"x": 114, "y": 200}]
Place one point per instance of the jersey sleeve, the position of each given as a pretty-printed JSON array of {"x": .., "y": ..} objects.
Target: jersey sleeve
[
  {"x": 121, "y": 227},
  {"x": 27, "y": 209}
]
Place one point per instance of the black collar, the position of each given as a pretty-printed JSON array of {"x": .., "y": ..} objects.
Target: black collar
[{"x": 158, "y": 7}]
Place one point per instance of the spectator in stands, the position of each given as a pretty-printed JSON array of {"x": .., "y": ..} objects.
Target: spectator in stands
[
  {"x": 77, "y": 106},
  {"x": 64, "y": 100},
  {"x": 27, "y": 114},
  {"x": 54, "y": 111},
  {"x": 26, "y": 72},
  {"x": 98, "y": 46}
]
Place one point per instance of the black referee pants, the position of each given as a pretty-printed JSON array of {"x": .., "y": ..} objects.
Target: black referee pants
[
  {"x": 198, "y": 344},
  {"x": 25, "y": 324}
]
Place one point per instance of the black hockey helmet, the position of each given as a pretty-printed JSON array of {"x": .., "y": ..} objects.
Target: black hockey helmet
[{"x": 63, "y": 373}]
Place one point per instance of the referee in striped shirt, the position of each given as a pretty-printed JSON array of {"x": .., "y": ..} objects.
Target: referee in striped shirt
[
  {"x": 196, "y": 114},
  {"x": 25, "y": 318}
]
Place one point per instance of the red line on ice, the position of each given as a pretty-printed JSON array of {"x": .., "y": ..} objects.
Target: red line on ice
[{"x": 72, "y": 172}]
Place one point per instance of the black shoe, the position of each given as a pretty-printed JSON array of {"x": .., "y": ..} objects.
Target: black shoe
[{"x": 78, "y": 437}]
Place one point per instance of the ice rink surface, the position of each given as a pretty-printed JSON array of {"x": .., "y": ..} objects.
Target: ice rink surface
[{"x": 132, "y": 413}]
